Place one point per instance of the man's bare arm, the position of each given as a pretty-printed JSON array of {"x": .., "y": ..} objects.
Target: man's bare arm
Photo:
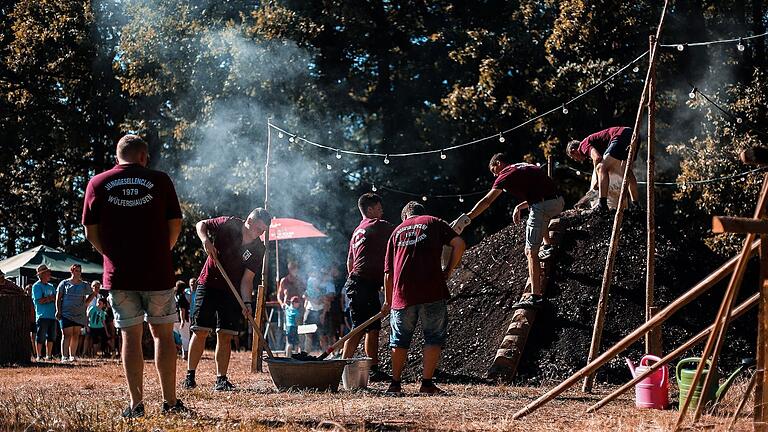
[
  {"x": 458, "y": 245},
  {"x": 92, "y": 235},
  {"x": 484, "y": 203},
  {"x": 174, "y": 229}
]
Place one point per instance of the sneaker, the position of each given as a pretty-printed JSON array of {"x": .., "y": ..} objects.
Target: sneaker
[
  {"x": 71, "y": 358},
  {"x": 546, "y": 251},
  {"x": 430, "y": 389},
  {"x": 38, "y": 359},
  {"x": 177, "y": 408},
  {"x": 48, "y": 358},
  {"x": 395, "y": 388},
  {"x": 64, "y": 359},
  {"x": 189, "y": 382},
  {"x": 533, "y": 301},
  {"x": 223, "y": 384},
  {"x": 377, "y": 375},
  {"x": 130, "y": 413}
]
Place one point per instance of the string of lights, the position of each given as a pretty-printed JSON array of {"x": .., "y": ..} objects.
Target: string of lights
[
  {"x": 739, "y": 42},
  {"x": 737, "y": 119},
  {"x": 687, "y": 183},
  {"x": 499, "y": 135}
]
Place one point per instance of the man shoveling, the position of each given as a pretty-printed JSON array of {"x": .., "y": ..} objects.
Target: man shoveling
[{"x": 236, "y": 245}]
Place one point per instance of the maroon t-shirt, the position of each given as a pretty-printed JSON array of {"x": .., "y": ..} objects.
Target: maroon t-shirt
[
  {"x": 132, "y": 206},
  {"x": 235, "y": 257},
  {"x": 367, "y": 247},
  {"x": 413, "y": 260},
  {"x": 600, "y": 140},
  {"x": 525, "y": 182}
]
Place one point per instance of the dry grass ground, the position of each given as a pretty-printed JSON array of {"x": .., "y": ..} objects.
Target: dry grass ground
[{"x": 89, "y": 396}]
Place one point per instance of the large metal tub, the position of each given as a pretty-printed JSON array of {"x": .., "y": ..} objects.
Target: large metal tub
[
  {"x": 355, "y": 374},
  {"x": 292, "y": 374}
]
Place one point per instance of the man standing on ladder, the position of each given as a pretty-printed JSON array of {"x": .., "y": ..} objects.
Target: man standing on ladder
[
  {"x": 365, "y": 266},
  {"x": 536, "y": 192},
  {"x": 609, "y": 150},
  {"x": 236, "y": 245}
]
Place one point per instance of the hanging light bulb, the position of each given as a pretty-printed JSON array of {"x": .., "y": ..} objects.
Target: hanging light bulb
[
  {"x": 578, "y": 173},
  {"x": 328, "y": 166},
  {"x": 501, "y": 138},
  {"x": 461, "y": 199},
  {"x": 740, "y": 46},
  {"x": 386, "y": 160},
  {"x": 424, "y": 198},
  {"x": 692, "y": 94},
  {"x": 739, "y": 120},
  {"x": 636, "y": 69},
  {"x": 338, "y": 155},
  {"x": 442, "y": 155},
  {"x": 680, "y": 47},
  {"x": 565, "y": 109},
  {"x": 292, "y": 139},
  {"x": 373, "y": 187},
  {"x": 279, "y": 134}
]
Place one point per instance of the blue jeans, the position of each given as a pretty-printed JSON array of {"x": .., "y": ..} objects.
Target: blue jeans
[
  {"x": 134, "y": 307},
  {"x": 434, "y": 322}
]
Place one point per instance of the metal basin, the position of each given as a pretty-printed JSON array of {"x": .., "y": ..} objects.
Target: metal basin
[
  {"x": 355, "y": 374},
  {"x": 291, "y": 374}
]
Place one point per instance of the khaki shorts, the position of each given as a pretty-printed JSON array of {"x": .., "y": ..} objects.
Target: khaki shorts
[
  {"x": 539, "y": 215},
  {"x": 134, "y": 307}
]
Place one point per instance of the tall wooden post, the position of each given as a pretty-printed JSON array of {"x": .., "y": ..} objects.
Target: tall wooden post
[
  {"x": 760, "y": 416},
  {"x": 610, "y": 260},
  {"x": 651, "y": 345},
  {"x": 257, "y": 349},
  {"x": 550, "y": 166}
]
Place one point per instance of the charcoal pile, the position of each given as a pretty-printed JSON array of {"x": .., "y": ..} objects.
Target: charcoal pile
[{"x": 493, "y": 273}]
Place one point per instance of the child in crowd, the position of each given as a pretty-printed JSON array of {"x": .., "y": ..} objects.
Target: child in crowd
[
  {"x": 96, "y": 317},
  {"x": 292, "y": 311}
]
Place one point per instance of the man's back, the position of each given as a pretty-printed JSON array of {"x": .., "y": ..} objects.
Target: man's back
[{"x": 132, "y": 205}]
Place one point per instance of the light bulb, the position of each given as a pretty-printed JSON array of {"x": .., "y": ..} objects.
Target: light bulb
[
  {"x": 328, "y": 166},
  {"x": 692, "y": 94},
  {"x": 461, "y": 199},
  {"x": 578, "y": 173},
  {"x": 386, "y": 160},
  {"x": 740, "y": 46},
  {"x": 338, "y": 155},
  {"x": 501, "y": 138},
  {"x": 291, "y": 139},
  {"x": 442, "y": 155},
  {"x": 279, "y": 134},
  {"x": 373, "y": 188},
  {"x": 636, "y": 69},
  {"x": 680, "y": 47},
  {"x": 424, "y": 198},
  {"x": 565, "y": 109},
  {"x": 739, "y": 120}
]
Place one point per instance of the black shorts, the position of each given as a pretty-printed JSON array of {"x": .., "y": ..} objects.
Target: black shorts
[
  {"x": 216, "y": 309},
  {"x": 98, "y": 335},
  {"x": 363, "y": 301},
  {"x": 46, "y": 330},
  {"x": 618, "y": 148}
]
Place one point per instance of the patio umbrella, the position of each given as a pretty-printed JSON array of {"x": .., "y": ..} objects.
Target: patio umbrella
[{"x": 289, "y": 229}]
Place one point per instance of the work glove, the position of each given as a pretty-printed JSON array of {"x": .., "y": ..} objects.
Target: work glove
[{"x": 462, "y": 222}]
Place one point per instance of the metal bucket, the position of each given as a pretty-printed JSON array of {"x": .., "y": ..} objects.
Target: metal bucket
[
  {"x": 355, "y": 374},
  {"x": 291, "y": 374}
]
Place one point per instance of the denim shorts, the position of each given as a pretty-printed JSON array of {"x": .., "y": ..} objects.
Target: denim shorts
[
  {"x": 292, "y": 334},
  {"x": 618, "y": 148},
  {"x": 65, "y": 322},
  {"x": 539, "y": 215},
  {"x": 133, "y": 307},
  {"x": 46, "y": 330},
  {"x": 434, "y": 322}
]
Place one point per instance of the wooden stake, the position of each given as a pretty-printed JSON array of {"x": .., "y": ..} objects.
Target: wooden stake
[
  {"x": 743, "y": 401},
  {"x": 664, "y": 314},
  {"x": 760, "y": 415},
  {"x": 256, "y": 346},
  {"x": 715, "y": 341},
  {"x": 739, "y": 311},
  {"x": 650, "y": 256},
  {"x": 597, "y": 330}
]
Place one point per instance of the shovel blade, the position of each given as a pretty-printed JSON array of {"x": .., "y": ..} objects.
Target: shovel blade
[{"x": 307, "y": 328}]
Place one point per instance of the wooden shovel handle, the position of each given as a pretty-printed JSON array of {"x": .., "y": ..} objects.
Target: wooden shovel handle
[
  {"x": 256, "y": 327},
  {"x": 354, "y": 331}
]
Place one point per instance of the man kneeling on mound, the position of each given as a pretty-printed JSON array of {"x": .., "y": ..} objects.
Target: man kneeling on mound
[{"x": 415, "y": 287}]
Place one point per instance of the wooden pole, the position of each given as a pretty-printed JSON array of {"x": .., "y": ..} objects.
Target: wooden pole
[
  {"x": 638, "y": 333},
  {"x": 597, "y": 330},
  {"x": 256, "y": 345},
  {"x": 715, "y": 341},
  {"x": 760, "y": 414},
  {"x": 650, "y": 257},
  {"x": 739, "y": 311},
  {"x": 550, "y": 166},
  {"x": 743, "y": 402}
]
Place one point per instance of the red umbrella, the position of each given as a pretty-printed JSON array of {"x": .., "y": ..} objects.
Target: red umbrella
[{"x": 288, "y": 229}]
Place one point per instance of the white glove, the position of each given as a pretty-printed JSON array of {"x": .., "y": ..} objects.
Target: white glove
[{"x": 462, "y": 222}]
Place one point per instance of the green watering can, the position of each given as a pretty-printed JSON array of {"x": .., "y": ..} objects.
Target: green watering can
[{"x": 686, "y": 370}]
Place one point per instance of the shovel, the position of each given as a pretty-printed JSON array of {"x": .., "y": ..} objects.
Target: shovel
[
  {"x": 247, "y": 313},
  {"x": 354, "y": 331},
  {"x": 307, "y": 328}
]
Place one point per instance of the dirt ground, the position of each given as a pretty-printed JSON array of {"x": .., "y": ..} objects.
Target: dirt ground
[{"x": 89, "y": 395}]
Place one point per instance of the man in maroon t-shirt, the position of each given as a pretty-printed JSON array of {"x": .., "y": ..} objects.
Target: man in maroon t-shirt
[
  {"x": 365, "y": 266},
  {"x": 132, "y": 217},
  {"x": 609, "y": 150},
  {"x": 236, "y": 245},
  {"x": 415, "y": 289},
  {"x": 535, "y": 191}
]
